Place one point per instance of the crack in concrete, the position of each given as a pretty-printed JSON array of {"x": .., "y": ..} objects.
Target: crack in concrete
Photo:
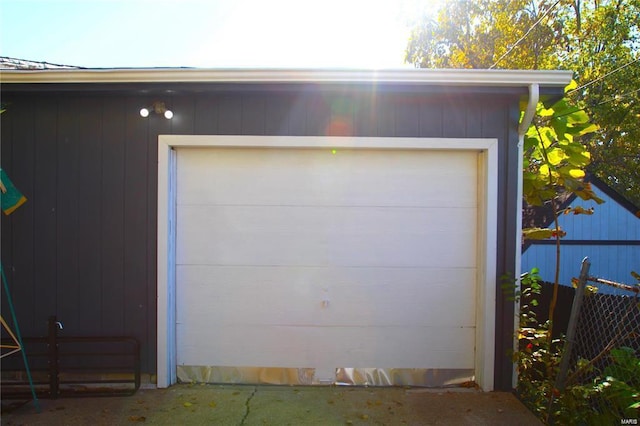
[{"x": 247, "y": 407}]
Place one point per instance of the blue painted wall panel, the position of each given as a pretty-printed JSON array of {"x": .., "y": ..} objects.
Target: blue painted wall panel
[
  {"x": 610, "y": 262},
  {"x": 610, "y": 221}
]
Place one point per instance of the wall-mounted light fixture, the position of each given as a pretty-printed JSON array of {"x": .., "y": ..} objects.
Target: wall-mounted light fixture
[{"x": 157, "y": 107}]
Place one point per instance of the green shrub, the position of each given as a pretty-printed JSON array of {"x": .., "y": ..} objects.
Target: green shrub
[{"x": 613, "y": 394}]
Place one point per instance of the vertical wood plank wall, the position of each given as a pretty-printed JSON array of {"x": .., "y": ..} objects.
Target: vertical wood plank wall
[{"x": 83, "y": 247}]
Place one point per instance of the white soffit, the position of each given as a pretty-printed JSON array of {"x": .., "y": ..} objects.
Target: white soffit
[{"x": 453, "y": 77}]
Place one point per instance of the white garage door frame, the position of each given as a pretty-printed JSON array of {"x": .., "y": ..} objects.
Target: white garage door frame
[{"x": 168, "y": 145}]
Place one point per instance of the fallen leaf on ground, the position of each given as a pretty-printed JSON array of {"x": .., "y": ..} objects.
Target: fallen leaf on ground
[{"x": 137, "y": 419}]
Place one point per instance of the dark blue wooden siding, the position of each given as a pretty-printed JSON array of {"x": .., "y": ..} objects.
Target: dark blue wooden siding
[{"x": 83, "y": 247}]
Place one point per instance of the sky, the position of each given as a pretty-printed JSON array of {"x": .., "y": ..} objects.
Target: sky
[{"x": 370, "y": 34}]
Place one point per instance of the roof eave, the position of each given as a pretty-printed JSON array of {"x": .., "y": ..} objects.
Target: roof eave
[{"x": 448, "y": 77}]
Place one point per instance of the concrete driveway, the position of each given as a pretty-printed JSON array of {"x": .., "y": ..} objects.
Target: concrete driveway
[{"x": 280, "y": 405}]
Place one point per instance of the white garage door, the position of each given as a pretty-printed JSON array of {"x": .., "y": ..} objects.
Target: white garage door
[{"x": 326, "y": 259}]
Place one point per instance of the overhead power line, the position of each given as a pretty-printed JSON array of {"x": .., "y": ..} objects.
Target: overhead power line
[
  {"x": 619, "y": 97},
  {"x": 525, "y": 35},
  {"x": 615, "y": 98},
  {"x": 569, "y": 93}
]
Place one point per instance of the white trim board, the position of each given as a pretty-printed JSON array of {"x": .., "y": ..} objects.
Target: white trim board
[{"x": 487, "y": 221}]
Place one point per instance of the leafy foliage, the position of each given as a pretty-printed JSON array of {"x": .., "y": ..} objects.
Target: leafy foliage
[
  {"x": 473, "y": 34},
  {"x": 555, "y": 158},
  {"x": 554, "y": 163},
  {"x": 583, "y": 404},
  {"x": 538, "y": 357},
  {"x": 605, "y": 41},
  {"x": 608, "y": 397},
  {"x": 599, "y": 40}
]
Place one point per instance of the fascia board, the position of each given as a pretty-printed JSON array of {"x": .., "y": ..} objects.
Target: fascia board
[{"x": 449, "y": 77}]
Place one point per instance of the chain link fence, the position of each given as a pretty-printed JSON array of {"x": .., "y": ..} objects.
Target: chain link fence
[{"x": 602, "y": 353}]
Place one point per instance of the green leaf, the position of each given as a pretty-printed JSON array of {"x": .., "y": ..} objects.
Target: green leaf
[
  {"x": 588, "y": 128},
  {"x": 559, "y": 126},
  {"x": 538, "y": 233},
  {"x": 581, "y": 159},
  {"x": 549, "y": 136},
  {"x": 555, "y": 156},
  {"x": 577, "y": 173},
  {"x": 545, "y": 112},
  {"x": 544, "y": 171},
  {"x": 577, "y": 117},
  {"x": 574, "y": 147},
  {"x": 530, "y": 142},
  {"x": 571, "y": 86}
]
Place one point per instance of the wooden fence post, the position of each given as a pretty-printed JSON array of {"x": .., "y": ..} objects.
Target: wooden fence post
[{"x": 573, "y": 324}]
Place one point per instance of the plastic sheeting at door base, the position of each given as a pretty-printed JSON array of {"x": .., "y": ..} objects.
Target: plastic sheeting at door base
[{"x": 343, "y": 376}]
